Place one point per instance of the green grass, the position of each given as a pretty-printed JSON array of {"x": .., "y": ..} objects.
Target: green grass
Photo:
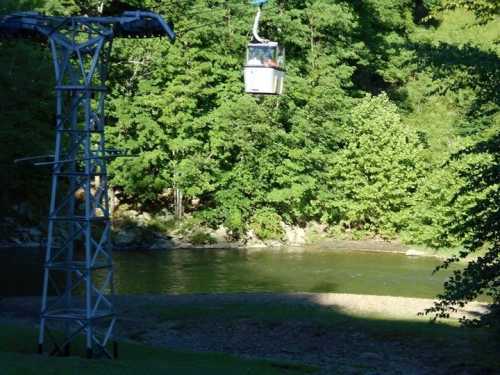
[
  {"x": 17, "y": 346},
  {"x": 271, "y": 312}
]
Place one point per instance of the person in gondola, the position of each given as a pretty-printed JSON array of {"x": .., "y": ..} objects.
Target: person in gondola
[
  {"x": 255, "y": 60},
  {"x": 268, "y": 59},
  {"x": 257, "y": 57}
]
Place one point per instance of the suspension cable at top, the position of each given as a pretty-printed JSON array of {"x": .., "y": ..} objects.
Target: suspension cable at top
[{"x": 255, "y": 29}]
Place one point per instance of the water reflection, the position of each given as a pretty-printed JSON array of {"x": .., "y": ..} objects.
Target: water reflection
[
  {"x": 222, "y": 271},
  {"x": 228, "y": 271}
]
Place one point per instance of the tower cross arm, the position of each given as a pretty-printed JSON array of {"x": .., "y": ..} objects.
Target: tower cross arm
[{"x": 137, "y": 24}]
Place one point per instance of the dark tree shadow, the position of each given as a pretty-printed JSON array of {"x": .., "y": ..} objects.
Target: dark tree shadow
[
  {"x": 476, "y": 73},
  {"x": 27, "y": 119},
  {"x": 480, "y": 228},
  {"x": 465, "y": 67},
  {"x": 373, "y": 31},
  {"x": 483, "y": 218}
]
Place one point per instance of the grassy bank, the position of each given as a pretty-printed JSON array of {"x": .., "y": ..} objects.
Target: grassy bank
[{"x": 17, "y": 346}]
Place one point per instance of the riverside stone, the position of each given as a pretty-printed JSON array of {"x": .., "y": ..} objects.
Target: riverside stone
[
  {"x": 294, "y": 235},
  {"x": 414, "y": 253}
]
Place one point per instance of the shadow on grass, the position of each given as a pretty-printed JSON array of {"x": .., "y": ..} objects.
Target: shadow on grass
[
  {"x": 16, "y": 357},
  {"x": 288, "y": 330},
  {"x": 301, "y": 327}
]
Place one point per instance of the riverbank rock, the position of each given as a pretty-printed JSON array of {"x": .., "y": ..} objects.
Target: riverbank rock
[
  {"x": 316, "y": 232},
  {"x": 252, "y": 241},
  {"x": 143, "y": 218},
  {"x": 414, "y": 253},
  {"x": 221, "y": 234},
  {"x": 125, "y": 238},
  {"x": 14, "y": 234},
  {"x": 128, "y": 213},
  {"x": 294, "y": 235},
  {"x": 163, "y": 243},
  {"x": 135, "y": 238}
]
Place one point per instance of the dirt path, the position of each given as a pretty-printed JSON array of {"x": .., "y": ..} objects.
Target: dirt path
[{"x": 386, "y": 307}]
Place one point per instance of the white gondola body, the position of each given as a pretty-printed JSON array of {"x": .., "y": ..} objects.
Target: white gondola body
[
  {"x": 264, "y": 80},
  {"x": 264, "y": 71}
]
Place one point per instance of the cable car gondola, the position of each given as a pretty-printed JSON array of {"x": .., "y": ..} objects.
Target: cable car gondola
[{"x": 265, "y": 63}]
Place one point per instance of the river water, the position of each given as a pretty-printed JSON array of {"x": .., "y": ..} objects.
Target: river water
[{"x": 231, "y": 271}]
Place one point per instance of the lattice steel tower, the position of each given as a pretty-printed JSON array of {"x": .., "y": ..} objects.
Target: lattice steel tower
[{"x": 78, "y": 285}]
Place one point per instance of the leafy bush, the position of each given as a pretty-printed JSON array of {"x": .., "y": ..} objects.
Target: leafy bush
[
  {"x": 161, "y": 225},
  {"x": 202, "y": 238},
  {"x": 266, "y": 224}
]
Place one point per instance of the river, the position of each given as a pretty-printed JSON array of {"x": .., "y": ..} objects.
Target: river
[{"x": 230, "y": 271}]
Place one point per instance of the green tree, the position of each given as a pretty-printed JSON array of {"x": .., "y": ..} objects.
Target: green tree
[
  {"x": 373, "y": 178},
  {"x": 323, "y": 151},
  {"x": 479, "y": 226},
  {"x": 182, "y": 108}
]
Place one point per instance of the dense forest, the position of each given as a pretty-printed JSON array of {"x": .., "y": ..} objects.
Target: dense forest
[{"x": 389, "y": 125}]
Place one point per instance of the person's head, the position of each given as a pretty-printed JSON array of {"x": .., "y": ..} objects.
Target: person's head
[
  {"x": 267, "y": 53},
  {"x": 255, "y": 54}
]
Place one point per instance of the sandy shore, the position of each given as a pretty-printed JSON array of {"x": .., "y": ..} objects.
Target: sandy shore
[{"x": 387, "y": 307}]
